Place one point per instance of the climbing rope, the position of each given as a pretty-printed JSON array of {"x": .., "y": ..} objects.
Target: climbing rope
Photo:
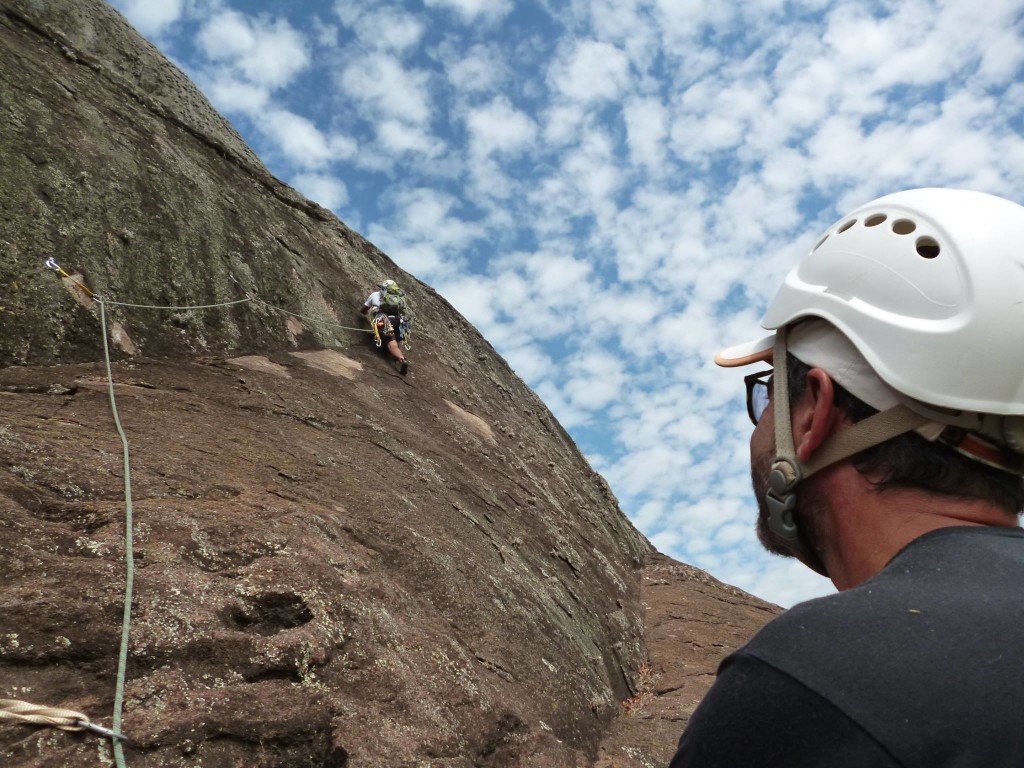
[
  {"x": 319, "y": 320},
  {"x": 122, "y": 657},
  {"x": 70, "y": 720},
  {"x": 52, "y": 264},
  {"x": 196, "y": 306}
]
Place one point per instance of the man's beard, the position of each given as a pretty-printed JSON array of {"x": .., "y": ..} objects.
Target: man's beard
[
  {"x": 806, "y": 514},
  {"x": 760, "y": 471}
]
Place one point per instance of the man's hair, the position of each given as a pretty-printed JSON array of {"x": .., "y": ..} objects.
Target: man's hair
[{"x": 910, "y": 461}]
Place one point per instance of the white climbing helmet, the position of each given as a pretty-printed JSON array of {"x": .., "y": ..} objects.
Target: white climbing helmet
[
  {"x": 928, "y": 284},
  {"x": 388, "y": 285}
]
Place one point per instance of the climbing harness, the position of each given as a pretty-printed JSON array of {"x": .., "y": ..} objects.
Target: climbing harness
[{"x": 381, "y": 320}]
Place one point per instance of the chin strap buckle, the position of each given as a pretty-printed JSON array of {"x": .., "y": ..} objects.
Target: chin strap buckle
[{"x": 781, "y": 500}]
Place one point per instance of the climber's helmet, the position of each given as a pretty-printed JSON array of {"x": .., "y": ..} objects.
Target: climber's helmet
[{"x": 928, "y": 287}]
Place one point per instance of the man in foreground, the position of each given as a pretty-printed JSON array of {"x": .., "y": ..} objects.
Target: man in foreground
[{"x": 887, "y": 455}]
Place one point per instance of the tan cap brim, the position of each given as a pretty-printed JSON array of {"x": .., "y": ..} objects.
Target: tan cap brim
[{"x": 744, "y": 354}]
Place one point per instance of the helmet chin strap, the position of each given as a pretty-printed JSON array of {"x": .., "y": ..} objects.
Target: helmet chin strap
[{"x": 787, "y": 470}]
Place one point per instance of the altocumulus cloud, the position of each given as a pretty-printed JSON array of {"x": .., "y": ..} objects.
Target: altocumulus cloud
[{"x": 613, "y": 190}]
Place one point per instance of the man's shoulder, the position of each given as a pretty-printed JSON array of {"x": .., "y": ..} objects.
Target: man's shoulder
[
  {"x": 938, "y": 574},
  {"x": 805, "y": 622},
  {"x": 812, "y": 614},
  {"x": 947, "y": 601},
  {"x": 756, "y": 715}
]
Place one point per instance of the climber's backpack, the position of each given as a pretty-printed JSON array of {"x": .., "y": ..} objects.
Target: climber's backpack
[{"x": 393, "y": 302}]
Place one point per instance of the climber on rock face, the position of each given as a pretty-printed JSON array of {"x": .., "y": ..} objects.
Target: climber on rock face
[
  {"x": 887, "y": 455},
  {"x": 387, "y": 309}
]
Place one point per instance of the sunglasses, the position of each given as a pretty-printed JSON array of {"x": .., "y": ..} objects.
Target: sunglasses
[{"x": 759, "y": 392}]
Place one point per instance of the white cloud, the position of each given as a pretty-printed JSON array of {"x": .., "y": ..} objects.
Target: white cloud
[
  {"x": 646, "y": 131},
  {"x": 1003, "y": 56},
  {"x": 648, "y": 516},
  {"x": 475, "y": 298},
  {"x": 567, "y": 415},
  {"x": 499, "y": 127},
  {"x": 593, "y": 170},
  {"x": 862, "y": 41},
  {"x": 431, "y": 215},
  {"x": 473, "y": 10},
  {"x": 563, "y": 122},
  {"x": 591, "y": 71},
  {"x": 491, "y": 186},
  {"x": 386, "y": 89},
  {"x": 301, "y": 141},
  {"x": 481, "y": 68},
  {"x": 382, "y": 27},
  {"x": 714, "y": 116},
  {"x": 647, "y": 467},
  {"x": 232, "y": 95},
  {"x": 425, "y": 234},
  {"x": 268, "y": 53},
  {"x": 805, "y": 96},
  {"x": 626, "y": 23},
  {"x": 325, "y": 33},
  {"x": 392, "y": 31},
  {"x": 151, "y": 17},
  {"x": 417, "y": 258},
  {"x": 657, "y": 164},
  {"x": 596, "y": 377},
  {"x": 784, "y": 582},
  {"x": 397, "y": 138},
  {"x": 326, "y": 190},
  {"x": 682, "y": 22},
  {"x": 529, "y": 362}
]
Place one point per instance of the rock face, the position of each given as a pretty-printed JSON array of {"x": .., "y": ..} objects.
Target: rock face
[
  {"x": 333, "y": 565},
  {"x": 691, "y": 622}
]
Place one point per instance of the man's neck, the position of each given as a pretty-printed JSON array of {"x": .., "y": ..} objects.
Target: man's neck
[{"x": 868, "y": 527}]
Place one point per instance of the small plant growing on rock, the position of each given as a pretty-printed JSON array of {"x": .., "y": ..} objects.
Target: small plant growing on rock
[{"x": 644, "y": 690}]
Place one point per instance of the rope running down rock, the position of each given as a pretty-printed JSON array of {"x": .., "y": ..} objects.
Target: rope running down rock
[{"x": 67, "y": 719}]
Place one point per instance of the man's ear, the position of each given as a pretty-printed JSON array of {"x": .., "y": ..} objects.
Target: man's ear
[{"x": 815, "y": 416}]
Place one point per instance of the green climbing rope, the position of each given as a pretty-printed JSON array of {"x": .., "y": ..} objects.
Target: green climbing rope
[
  {"x": 122, "y": 662},
  {"x": 122, "y": 659}
]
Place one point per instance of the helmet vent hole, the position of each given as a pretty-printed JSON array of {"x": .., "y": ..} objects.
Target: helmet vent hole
[
  {"x": 846, "y": 226},
  {"x": 874, "y": 220},
  {"x": 927, "y": 247},
  {"x": 820, "y": 243},
  {"x": 903, "y": 226}
]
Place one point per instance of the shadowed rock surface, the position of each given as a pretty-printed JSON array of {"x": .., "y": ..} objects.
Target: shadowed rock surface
[
  {"x": 333, "y": 565},
  {"x": 692, "y": 621}
]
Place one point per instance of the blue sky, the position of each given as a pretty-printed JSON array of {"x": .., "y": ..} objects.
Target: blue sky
[{"x": 611, "y": 190}]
